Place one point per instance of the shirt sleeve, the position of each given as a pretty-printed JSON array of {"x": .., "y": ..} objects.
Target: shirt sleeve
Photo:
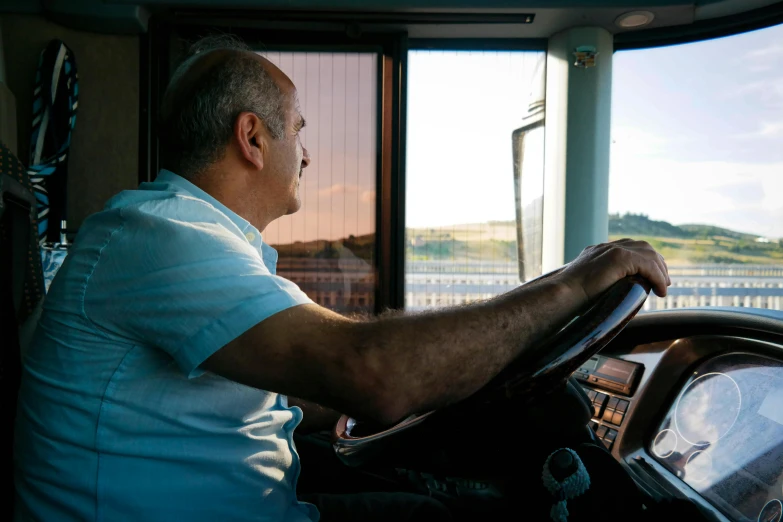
[{"x": 188, "y": 287}]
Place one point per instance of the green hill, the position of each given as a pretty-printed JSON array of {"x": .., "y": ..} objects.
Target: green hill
[
  {"x": 632, "y": 225},
  {"x": 697, "y": 244},
  {"x": 705, "y": 231},
  {"x": 496, "y": 241}
]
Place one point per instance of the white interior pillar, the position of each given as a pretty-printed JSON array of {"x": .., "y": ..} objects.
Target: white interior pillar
[{"x": 577, "y": 138}]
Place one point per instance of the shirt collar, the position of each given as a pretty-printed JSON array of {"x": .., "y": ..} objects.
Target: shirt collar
[
  {"x": 166, "y": 176},
  {"x": 251, "y": 233}
]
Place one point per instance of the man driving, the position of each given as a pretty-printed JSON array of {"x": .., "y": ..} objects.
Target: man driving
[{"x": 157, "y": 385}]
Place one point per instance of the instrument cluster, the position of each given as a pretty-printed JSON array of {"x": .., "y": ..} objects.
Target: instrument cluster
[{"x": 723, "y": 436}]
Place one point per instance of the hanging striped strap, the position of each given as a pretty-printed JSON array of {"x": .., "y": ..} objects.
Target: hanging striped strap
[{"x": 55, "y": 102}]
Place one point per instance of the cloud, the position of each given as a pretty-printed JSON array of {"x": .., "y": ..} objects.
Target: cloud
[
  {"x": 338, "y": 189},
  {"x": 765, "y": 53},
  {"x": 635, "y": 141},
  {"x": 742, "y": 194},
  {"x": 771, "y": 129},
  {"x": 761, "y": 67},
  {"x": 738, "y": 196},
  {"x": 767, "y": 92},
  {"x": 765, "y": 130}
]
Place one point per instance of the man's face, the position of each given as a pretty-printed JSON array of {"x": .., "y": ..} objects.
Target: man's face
[{"x": 287, "y": 157}]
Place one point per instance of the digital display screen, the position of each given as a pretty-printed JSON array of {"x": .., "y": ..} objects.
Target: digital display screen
[
  {"x": 723, "y": 436},
  {"x": 615, "y": 370},
  {"x": 772, "y": 406}
]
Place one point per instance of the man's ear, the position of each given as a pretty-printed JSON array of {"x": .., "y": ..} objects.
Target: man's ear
[{"x": 252, "y": 138}]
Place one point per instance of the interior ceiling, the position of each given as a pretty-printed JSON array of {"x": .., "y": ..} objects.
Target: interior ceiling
[{"x": 550, "y": 16}]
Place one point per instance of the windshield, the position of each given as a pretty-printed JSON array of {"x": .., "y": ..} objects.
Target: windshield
[{"x": 697, "y": 166}]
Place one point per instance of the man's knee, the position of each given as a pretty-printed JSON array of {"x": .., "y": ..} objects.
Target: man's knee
[
  {"x": 426, "y": 508},
  {"x": 397, "y": 507}
]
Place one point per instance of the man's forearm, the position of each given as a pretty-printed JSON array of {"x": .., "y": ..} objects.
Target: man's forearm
[
  {"x": 386, "y": 368},
  {"x": 433, "y": 359},
  {"x": 314, "y": 416}
]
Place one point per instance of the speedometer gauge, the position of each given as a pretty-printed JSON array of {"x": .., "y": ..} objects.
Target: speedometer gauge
[
  {"x": 772, "y": 512},
  {"x": 707, "y": 409}
]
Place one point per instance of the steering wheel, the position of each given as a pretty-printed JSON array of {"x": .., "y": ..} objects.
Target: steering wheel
[{"x": 536, "y": 372}]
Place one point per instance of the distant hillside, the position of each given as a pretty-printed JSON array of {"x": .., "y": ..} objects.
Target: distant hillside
[
  {"x": 697, "y": 244},
  {"x": 361, "y": 246},
  {"x": 496, "y": 241},
  {"x": 706, "y": 231},
  {"x": 641, "y": 225},
  {"x": 631, "y": 225}
]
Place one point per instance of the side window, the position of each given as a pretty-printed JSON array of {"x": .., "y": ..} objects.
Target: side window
[
  {"x": 697, "y": 156},
  {"x": 468, "y": 115},
  {"x": 328, "y": 247}
]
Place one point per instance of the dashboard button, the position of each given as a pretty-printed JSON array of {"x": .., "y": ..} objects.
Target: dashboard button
[
  {"x": 591, "y": 393},
  {"x": 601, "y": 431},
  {"x": 593, "y": 425},
  {"x": 608, "y": 443},
  {"x": 600, "y": 399},
  {"x": 612, "y": 403},
  {"x": 617, "y": 418},
  {"x": 608, "y": 415},
  {"x": 611, "y": 434},
  {"x": 622, "y": 406},
  {"x": 596, "y": 410}
]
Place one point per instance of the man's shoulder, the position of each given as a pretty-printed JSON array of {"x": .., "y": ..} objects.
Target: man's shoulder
[
  {"x": 158, "y": 214},
  {"x": 162, "y": 203},
  {"x": 136, "y": 233}
]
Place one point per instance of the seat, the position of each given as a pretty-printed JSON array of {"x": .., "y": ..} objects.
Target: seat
[{"x": 21, "y": 286}]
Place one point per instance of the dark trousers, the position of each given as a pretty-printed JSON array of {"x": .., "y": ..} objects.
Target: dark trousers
[{"x": 381, "y": 507}]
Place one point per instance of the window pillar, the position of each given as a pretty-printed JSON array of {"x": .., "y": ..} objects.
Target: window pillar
[{"x": 578, "y": 116}]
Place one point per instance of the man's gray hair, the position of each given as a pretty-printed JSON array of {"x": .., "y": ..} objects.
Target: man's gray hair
[{"x": 197, "y": 120}]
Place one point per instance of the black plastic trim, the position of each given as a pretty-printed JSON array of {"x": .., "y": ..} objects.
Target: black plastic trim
[
  {"x": 359, "y": 17},
  {"x": 479, "y": 44},
  {"x": 397, "y": 297},
  {"x": 649, "y": 327},
  {"x": 700, "y": 30}
]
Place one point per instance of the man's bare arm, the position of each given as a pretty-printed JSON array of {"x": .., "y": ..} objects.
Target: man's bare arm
[
  {"x": 388, "y": 368},
  {"x": 314, "y": 416}
]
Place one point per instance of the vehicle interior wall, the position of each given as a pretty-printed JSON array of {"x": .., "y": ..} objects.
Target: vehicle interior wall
[{"x": 105, "y": 144}]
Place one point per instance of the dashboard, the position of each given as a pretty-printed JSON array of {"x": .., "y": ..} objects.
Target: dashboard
[
  {"x": 723, "y": 436},
  {"x": 705, "y": 419}
]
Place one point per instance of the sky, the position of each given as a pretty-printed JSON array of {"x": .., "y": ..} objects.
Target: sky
[
  {"x": 337, "y": 95},
  {"x": 697, "y": 133},
  {"x": 462, "y": 109},
  {"x": 697, "y": 136}
]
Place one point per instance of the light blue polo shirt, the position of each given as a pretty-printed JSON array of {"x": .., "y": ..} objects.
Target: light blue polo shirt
[{"x": 116, "y": 421}]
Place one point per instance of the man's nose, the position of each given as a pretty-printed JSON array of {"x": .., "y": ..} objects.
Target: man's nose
[{"x": 305, "y": 158}]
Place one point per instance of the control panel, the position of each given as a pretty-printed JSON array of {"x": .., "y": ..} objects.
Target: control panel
[
  {"x": 610, "y": 373},
  {"x": 608, "y": 415}
]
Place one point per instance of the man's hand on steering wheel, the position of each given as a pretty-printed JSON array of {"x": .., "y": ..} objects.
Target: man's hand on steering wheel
[
  {"x": 594, "y": 297},
  {"x": 599, "y": 267}
]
